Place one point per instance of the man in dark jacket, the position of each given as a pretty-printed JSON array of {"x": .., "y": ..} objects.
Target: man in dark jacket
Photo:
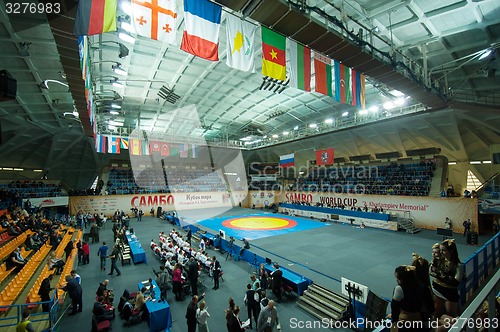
[
  {"x": 277, "y": 275},
  {"x": 100, "y": 312},
  {"x": 74, "y": 291},
  {"x": 44, "y": 292},
  {"x": 191, "y": 312},
  {"x": 193, "y": 275}
]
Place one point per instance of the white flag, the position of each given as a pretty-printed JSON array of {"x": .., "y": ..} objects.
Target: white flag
[
  {"x": 155, "y": 19},
  {"x": 240, "y": 44}
]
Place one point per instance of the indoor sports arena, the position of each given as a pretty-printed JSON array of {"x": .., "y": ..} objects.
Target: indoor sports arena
[{"x": 267, "y": 165}]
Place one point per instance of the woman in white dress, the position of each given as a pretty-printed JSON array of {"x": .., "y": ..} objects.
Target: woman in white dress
[{"x": 202, "y": 316}]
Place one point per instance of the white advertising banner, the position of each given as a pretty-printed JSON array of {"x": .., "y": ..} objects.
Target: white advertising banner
[
  {"x": 108, "y": 204},
  {"x": 426, "y": 212},
  {"x": 48, "y": 201}
]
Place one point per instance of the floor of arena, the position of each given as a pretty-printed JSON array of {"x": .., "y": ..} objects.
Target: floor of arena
[{"x": 319, "y": 251}]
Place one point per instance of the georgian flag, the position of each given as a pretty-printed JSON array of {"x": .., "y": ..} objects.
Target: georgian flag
[{"x": 155, "y": 19}]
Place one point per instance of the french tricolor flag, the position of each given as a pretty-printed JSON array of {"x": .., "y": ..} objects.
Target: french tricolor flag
[
  {"x": 287, "y": 160},
  {"x": 201, "y": 33}
]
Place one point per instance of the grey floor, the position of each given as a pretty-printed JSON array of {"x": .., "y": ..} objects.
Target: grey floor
[{"x": 367, "y": 256}]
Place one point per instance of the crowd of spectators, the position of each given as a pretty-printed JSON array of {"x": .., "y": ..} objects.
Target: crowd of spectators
[
  {"x": 394, "y": 179},
  {"x": 32, "y": 189}
]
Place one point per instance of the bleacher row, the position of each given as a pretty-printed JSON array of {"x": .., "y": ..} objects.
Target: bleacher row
[{"x": 32, "y": 189}]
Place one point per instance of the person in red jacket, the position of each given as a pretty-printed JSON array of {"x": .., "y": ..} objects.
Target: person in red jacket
[{"x": 86, "y": 253}]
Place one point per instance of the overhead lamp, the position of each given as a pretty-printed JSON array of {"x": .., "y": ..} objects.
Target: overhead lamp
[
  {"x": 116, "y": 106},
  {"x": 111, "y": 127},
  {"x": 285, "y": 133},
  {"x": 313, "y": 125},
  {"x": 399, "y": 101},
  {"x": 274, "y": 85},
  {"x": 38, "y": 170},
  {"x": 345, "y": 113},
  {"x": 485, "y": 53},
  {"x": 373, "y": 109},
  {"x": 452, "y": 163},
  {"x": 168, "y": 94},
  {"x": 123, "y": 52},
  {"x": 19, "y": 169},
  {"x": 474, "y": 162},
  {"x": 275, "y": 136},
  {"x": 116, "y": 83},
  {"x": 296, "y": 128},
  {"x": 119, "y": 70},
  {"x": 388, "y": 105},
  {"x": 329, "y": 121},
  {"x": 396, "y": 93},
  {"x": 363, "y": 112},
  {"x": 123, "y": 35},
  {"x": 486, "y": 161},
  {"x": 114, "y": 112},
  {"x": 115, "y": 123}
]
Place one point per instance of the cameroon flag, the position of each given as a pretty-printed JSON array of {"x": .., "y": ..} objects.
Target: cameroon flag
[{"x": 273, "y": 54}]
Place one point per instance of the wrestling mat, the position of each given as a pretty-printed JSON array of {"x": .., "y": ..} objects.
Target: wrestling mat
[{"x": 261, "y": 225}]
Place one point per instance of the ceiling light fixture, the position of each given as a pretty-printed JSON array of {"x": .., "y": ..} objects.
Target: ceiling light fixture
[
  {"x": 373, "y": 109},
  {"x": 313, "y": 125},
  {"x": 486, "y": 53},
  {"x": 119, "y": 70},
  {"x": 114, "y": 112},
  {"x": 125, "y": 36},
  {"x": 345, "y": 113},
  {"x": 168, "y": 94},
  {"x": 273, "y": 85},
  {"x": 123, "y": 52},
  {"x": 116, "y": 106},
  {"x": 329, "y": 121}
]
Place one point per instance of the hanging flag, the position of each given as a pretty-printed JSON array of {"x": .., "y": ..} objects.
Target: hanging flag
[
  {"x": 145, "y": 148},
  {"x": 100, "y": 143},
  {"x": 124, "y": 143},
  {"x": 155, "y": 19},
  {"x": 165, "y": 149},
  {"x": 183, "y": 150},
  {"x": 342, "y": 83},
  {"x": 194, "y": 151},
  {"x": 113, "y": 144},
  {"x": 323, "y": 74},
  {"x": 324, "y": 157},
  {"x": 300, "y": 66},
  {"x": 273, "y": 54},
  {"x": 94, "y": 17},
  {"x": 358, "y": 89},
  {"x": 155, "y": 146},
  {"x": 135, "y": 146},
  {"x": 240, "y": 43},
  {"x": 83, "y": 51},
  {"x": 202, "y": 25},
  {"x": 287, "y": 160},
  {"x": 174, "y": 149}
]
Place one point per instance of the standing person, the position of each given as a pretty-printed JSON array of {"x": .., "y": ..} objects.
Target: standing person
[
  {"x": 229, "y": 313},
  {"x": 79, "y": 246},
  {"x": 435, "y": 271},
  {"x": 193, "y": 275},
  {"x": 189, "y": 235},
  {"x": 86, "y": 253},
  {"x": 139, "y": 215},
  {"x": 114, "y": 257},
  {"x": 422, "y": 274},
  {"x": 235, "y": 324},
  {"x": 102, "y": 253},
  {"x": 25, "y": 324},
  {"x": 69, "y": 249},
  {"x": 407, "y": 299},
  {"x": 216, "y": 270},
  {"x": 268, "y": 318},
  {"x": 44, "y": 292},
  {"x": 177, "y": 281},
  {"x": 467, "y": 225},
  {"x": 251, "y": 301},
  {"x": 263, "y": 276},
  {"x": 446, "y": 284},
  {"x": 277, "y": 275},
  {"x": 191, "y": 313},
  {"x": 447, "y": 223},
  {"x": 202, "y": 316},
  {"x": 75, "y": 293},
  {"x": 162, "y": 281}
]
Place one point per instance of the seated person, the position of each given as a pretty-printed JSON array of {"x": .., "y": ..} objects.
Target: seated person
[
  {"x": 140, "y": 299},
  {"x": 15, "y": 260},
  {"x": 103, "y": 288},
  {"x": 101, "y": 312},
  {"x": 55, "y": 263}
]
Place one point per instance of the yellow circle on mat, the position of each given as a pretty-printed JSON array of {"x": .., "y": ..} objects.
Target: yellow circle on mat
[{"x": 259, "y": 223}]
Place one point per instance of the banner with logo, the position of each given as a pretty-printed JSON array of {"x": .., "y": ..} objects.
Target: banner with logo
[{"x": 48, "y": 201}]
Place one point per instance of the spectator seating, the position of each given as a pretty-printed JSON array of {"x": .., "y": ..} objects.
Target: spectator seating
[
  {"x": 393, "y": 179},
  {"x": 32, "y": 189}
]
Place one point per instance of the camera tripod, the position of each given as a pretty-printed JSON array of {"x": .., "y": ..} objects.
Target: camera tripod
[
  {"x": 230, "y": 252},
  {"x": 254, "y": 264}
]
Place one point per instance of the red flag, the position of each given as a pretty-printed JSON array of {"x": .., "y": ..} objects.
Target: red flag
[
  {"x": 165, "y": 149},
  {"x": 155, "y": 146},
  {"x": 324, "y": 157}
]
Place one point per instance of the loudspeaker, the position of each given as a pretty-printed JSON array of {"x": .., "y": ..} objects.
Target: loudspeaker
[{"x": 8, "y": 86}]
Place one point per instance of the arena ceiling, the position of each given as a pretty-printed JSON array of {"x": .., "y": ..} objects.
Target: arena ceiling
[{"x": 428, "y": 50}]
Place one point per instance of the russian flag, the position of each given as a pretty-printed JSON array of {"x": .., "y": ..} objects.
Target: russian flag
[
  {"x": 201, "y": 33},
  {"x": 287, "y": 160}
]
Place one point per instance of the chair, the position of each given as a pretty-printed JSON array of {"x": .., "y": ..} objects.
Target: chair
[
  {"x": 126, "y": 257},
  {"x": 105, "y": 325}
]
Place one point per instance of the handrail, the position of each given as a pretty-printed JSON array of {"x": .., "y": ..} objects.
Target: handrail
[{"x": 486, "y": 181}]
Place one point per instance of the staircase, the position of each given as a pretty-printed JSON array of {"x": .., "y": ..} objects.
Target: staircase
[
  {"x": 407, "y": 224},
  {"x": 323, "y": 303}
]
